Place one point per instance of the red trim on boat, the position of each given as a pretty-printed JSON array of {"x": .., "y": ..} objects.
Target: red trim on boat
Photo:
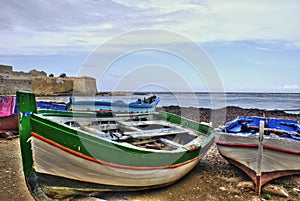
[
  {"x": 108, "y": 163},
  {"x": 282, "y": 150},
  {"x": 255, "y": 145},
  {"x": 236, "y": 144}
]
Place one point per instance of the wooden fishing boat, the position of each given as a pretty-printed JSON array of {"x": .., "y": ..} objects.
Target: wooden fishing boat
[
  {"x": 9, "y": 126},
  {"x": 275, "y": 154},
  {"x": 50, "y": 105},
  {"x": 69, "y": 153},
  {"x": 139, "y": 106},
  {"x": 8, "y": 117}
]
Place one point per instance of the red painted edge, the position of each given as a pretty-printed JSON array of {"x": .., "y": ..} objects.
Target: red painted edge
[
  {"x": 236, "y": 144},
  {"x": 78, "y": 154},
  {"x": 281, "y": 150},
  {"x": 255, "y": 145}
]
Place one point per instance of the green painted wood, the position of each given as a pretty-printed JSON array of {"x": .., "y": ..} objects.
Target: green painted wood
[
  {"x": 204, "y": 129},
  {"x": 26, "y": 106}
]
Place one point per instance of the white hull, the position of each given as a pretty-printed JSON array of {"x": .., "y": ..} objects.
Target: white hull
[
  {"x": 54, "y": 161},
  {"x": 278, "y": 154}
]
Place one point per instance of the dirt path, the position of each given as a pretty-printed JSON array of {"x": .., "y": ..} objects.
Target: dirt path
[{"x": 12, "y": 183}]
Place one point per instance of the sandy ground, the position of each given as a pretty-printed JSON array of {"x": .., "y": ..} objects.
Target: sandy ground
[{"x": 212, "y": 179}]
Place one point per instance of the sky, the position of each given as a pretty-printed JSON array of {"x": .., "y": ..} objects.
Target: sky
[{"x": 254, "y": 46}]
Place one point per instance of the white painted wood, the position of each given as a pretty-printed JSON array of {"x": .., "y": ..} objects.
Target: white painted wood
[
  {"x": 273, "y": 160},
  {"x": 54, "y": 161},
  {"x": 260, "y": 148}
]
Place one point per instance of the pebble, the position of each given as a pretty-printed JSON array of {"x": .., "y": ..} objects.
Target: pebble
[
  {"x": 296, "y": 190},
  {"x": 222, "y": 188},
  {"x": 275, "y": 190},
  {"x": 246, "y": 185},
  {"x": 231, "y": 179},
  {"x": 88, "y": 199}
]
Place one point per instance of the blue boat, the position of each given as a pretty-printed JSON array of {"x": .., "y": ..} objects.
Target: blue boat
[
  {"x": 53, "y": 105},
  {"x": 264, "y": 148},
  {"x": 282, "y": 127},
  {"x": 138, "y": 106}
]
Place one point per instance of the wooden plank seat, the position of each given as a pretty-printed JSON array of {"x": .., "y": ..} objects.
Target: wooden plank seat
[{"x": 154, "y": 133}]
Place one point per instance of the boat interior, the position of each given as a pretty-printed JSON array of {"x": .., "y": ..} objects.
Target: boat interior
[
  {"x": 273, "y": 127},
  {"x": 144, "y": 131}
]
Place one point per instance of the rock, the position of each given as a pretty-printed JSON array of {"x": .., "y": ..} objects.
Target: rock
[
  {"x": 275, "y": 190},
  {"x": 296, "y": 190},
  {"x": 222, "y": 188},
  {"x": 256, "y": 198},
  {"x": 82, "y": 198},
  {"x": 232, "y": 179},
  {"x": 246, "y": 185}
]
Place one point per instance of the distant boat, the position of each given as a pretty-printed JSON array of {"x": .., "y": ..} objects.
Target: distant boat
[
  {"x": 67, "y": 153},
  {"x": 139, "y": 106},
  {"x": 275, "y": 154},
  {"x": 8, "y": 117},
  {"x": 50, "y": 105}
]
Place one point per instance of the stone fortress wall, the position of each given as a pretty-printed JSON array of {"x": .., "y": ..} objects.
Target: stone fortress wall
[{"x": 40, "y": 84}]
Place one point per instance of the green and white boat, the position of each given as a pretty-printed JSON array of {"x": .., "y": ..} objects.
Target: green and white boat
[{"x": 78, "y": 153}]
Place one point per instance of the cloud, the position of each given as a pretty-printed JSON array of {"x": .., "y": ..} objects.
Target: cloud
[
  {"x": 50, "y": 27},
  {"x": 291, "y": 87}
]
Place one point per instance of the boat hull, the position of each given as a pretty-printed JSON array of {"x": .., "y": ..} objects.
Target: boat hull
[
  {"x": 9, "y": 124},
  {"x": 96, "y": 108},
  {"x": 281, "y": 157},
  {"x": 81, "y": 168},
  {"x": 118, "y": 106}
]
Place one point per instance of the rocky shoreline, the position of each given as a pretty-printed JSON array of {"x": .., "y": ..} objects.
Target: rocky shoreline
[
  {"x": 220, "y": 116},
  {"x": 212, "y": 179}
]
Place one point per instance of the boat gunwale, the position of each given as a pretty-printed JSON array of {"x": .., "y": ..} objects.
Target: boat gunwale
[{"x": 126, "y": 145}]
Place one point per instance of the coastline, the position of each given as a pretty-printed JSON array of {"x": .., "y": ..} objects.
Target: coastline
[
  {"x": 212, "y": 179},
  {"x": 225, "y": 114}
]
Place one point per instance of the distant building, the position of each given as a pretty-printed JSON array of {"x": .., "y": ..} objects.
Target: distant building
[
  {"x": 8, "y": 73},
  {"x": 40, "y": 84},
  {"x": 59, "y": 85}
]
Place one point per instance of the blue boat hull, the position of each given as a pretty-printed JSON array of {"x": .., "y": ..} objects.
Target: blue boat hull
[{"x": 118, "y": 106}]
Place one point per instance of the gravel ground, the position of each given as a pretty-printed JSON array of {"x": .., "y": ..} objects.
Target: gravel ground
[{"x": 212, "y": 179}]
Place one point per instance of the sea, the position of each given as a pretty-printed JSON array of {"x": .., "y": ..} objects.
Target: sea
[{"x": 289, "y": 102}]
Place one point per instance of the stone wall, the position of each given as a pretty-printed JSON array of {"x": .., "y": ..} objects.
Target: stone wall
[
  {"x": 7, "y": 72},
  {"x": 4, "y": 69},
  {"x": 51, "y": 85},
  {"x": 40, "y": 84},
  {"x": 10, "y": 86},
  {"x": 58, "y": 85},
  {"x": 85, "y": 85}
]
